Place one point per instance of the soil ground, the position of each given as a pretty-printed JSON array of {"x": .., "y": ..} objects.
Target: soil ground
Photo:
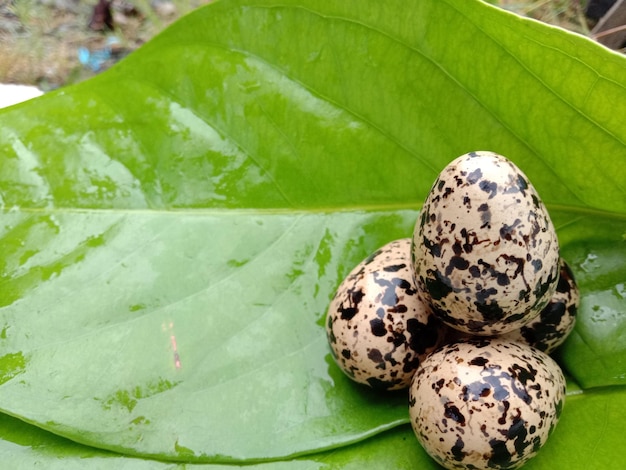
[{"x": 41, "y": 40}]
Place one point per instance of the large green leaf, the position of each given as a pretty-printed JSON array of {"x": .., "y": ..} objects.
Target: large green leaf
[
  {"x": 187, "y": 334},
  {"x": 23, "y": 446},
  {"x": 173, "y": 230}
]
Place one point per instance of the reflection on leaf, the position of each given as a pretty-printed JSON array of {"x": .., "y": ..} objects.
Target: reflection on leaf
[{"x": 11, "y": 365}]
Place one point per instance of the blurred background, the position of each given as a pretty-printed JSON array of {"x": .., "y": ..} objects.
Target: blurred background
[{"x": 52, "y": 43}]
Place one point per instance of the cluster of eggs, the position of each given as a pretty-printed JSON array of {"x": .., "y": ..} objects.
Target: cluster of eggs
[{"x": 464, "y": 314}]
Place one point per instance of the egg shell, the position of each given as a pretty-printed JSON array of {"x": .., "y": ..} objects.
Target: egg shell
[
  {"x": 548, "y": 330},
  {"x": 485, "y": 252},
  {"x": 485, "y": 403},
  {"x": 552, "y": 326},
  {"x": 378, "y": 328}
]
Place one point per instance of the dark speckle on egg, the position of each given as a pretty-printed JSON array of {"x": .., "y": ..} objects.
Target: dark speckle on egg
[{"x": 551, "y": 327}]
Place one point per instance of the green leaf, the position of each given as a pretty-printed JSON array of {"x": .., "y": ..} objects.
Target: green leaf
[
  {"x": 25, "y": 446},
  {"x": 147, "y": 327},
  {"x": 172, "y": 230},
  {"x": 586, "y": 436},
  {"x": 595, "y": 353}
]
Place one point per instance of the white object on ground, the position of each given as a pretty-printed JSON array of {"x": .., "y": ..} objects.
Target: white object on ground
[{"x": 13, "y": 94}]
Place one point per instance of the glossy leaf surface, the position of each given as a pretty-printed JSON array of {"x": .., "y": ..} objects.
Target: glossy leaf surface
[
  {"x": 24, "y": 446},
  {"x": 169, "y": 247},
  {"x": 157, "y": 325}
]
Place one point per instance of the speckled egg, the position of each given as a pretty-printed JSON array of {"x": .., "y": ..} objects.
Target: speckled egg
[
  {"x": 378, "y": 327},
  {"x": 485, "y": 403},
  {"x": 485, "y": 252},
  {"x": 556, "y": 321}
]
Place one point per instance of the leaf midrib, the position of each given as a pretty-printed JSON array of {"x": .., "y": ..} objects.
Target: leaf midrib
[{"x": 242, "y": 211}]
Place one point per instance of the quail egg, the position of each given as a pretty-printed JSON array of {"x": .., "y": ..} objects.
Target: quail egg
[
  {"x": 548, "y": 330},
  {"x": 378, "y": 327},
  {"x": 485, "y": 252},
  {"x": 485, "y": 403},
  {"x": 556, "y": 321}
]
